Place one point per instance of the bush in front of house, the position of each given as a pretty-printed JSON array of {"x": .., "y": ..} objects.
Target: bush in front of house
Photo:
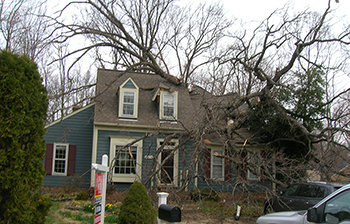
[
  {"x": 22, "y": 115},
  {"x": 137, "y": 206},
  {"x": 41, "y": 205}
]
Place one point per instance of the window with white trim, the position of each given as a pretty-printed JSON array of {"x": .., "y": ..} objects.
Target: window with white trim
[
  {"x": 168, "y": 105},
  {"x": 128, "y": 103},
  {"x": 127, "y": 163},
  {"x": 60, "y": 159},
  {"x": 217, "y": 164},
  {"x": 253, "y": 160},
  {"x": 128, "y": 99},
  {"x": 168, "y": 174}
]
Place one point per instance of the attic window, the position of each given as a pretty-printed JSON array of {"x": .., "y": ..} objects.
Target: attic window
[
  {"x": 168, "y": 105},
  {"x": 128, "y": 99},
  {"x": 128, "y": 103}
]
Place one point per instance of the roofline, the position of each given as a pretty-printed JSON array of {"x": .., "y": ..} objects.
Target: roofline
[
  {"x": 69, "y": 115},
  {"x": 130, "y": 127},
  {"x": 125, "y": 72}
]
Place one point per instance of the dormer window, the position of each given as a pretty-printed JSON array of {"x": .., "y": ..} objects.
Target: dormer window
[
  {"x": 128, "y": 103},
  {"x": 128, "y": 99},
  {"x": 168, "y": 105}
]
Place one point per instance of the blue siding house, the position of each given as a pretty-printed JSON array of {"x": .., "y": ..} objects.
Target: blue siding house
[
  {"x": 144, "y": 124},
  {"x": 69, "y": 148}
]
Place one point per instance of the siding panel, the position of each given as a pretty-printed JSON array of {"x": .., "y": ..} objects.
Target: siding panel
[{"x": 75, "y": 130}]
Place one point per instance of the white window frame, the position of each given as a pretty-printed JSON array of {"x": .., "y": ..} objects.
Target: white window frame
[
  {"x": 122, "y": 92},
  {"x": 130, "y": 93},
  {"x": 222, "y": 152},
  {"x": 54, "y": 159},
  {"x": 176, "y": 162},
  {"x": 250, "y": 175},
  {"x": 161, "y": 106},
  {"x": 126, "y": 178}
]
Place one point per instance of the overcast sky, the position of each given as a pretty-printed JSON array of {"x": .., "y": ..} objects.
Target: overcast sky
[
  {"x": 258, "y": 10},
  {"x": 249, "y": 10}
]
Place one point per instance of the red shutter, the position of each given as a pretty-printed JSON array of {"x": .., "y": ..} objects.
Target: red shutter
[
  {"x": 228, "y": 166},
  {"x": 71, "y": 160},
  {"x": 48, "y": 159},
  {"x": 206, "y": 165}
]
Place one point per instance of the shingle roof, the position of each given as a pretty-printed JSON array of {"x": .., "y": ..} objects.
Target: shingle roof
[
  {"x": 108, "y": 83},
  {"x": 190, "y": 107}
]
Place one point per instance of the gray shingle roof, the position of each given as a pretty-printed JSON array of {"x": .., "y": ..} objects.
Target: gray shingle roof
[
  {"x": 190, "y": 107},
  {"x": 108, "y": 83}
]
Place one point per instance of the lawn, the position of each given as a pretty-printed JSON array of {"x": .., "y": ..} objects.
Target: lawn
[
  {"x": 63, "y": 212},
  {"x": 67, "y": 210}
]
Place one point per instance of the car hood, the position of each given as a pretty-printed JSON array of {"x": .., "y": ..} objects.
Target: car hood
[{"x": 282, "y": 217}]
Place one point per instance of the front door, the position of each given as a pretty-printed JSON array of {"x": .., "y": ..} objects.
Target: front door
[
  {"x": 167, "y": 171},
  {"x": 168, "y": 163}
]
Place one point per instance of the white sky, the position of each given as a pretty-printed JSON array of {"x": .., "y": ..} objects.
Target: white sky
[
  {"x": 249, "y": 10},
  {"x": 260, "y": 9}
]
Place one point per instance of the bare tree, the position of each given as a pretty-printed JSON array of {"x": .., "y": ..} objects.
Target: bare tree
[
  {"x": 260, "y": 65},
  {"x": 147, "y": 35},
  {"x": 270, "y": 58},
  {"x": 24, "y": 27}
]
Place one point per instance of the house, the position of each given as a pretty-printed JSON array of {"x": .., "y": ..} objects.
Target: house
[
  {"x": 343, "y": 175},
  {"x": 146, "y": 126}
]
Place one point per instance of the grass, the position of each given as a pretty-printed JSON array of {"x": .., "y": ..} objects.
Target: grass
[
  {"x": 58, "y": 214},
  {"x": 229, "y": 210},
  {"x": 51, "y": 217}
]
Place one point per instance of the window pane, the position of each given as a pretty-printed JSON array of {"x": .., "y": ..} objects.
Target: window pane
[
  {"x": 217, "y": 171},
  {"x": 217, "y": 164},
  {"x": 168, "y": 100},
  {"x": 217, "y": 160},
  {"x": 291, "y": 190},
  {"x": 60, "y": 166},
  {"x": 167, "y": 170},
  {"x": 125, "y": 163},
  {"x": 60, "y": 152},
  {"x": 128, "y": 103},
  {"x": 128, "y": 97},
  {"x": 168, "y": 105},
  {"x": 128, "y": 109},
  {"x": 306, "y": 191},
  {"x": 337, "y": 208},
  {"x": 321, "y": 192}
]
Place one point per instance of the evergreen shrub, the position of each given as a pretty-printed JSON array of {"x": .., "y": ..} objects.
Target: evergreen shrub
[
  {"x": 137, "y": 207},
  {"x": 22, "y": 115},
  {"x": 41, "y": 205}
]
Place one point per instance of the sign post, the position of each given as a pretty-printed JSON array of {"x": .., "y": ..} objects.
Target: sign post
[{"x": 100, "y": 189}]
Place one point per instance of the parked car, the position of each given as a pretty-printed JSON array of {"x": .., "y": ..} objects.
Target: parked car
[
  {"x": 334, "y": 208},
  {"x": 300, "y": 196}
]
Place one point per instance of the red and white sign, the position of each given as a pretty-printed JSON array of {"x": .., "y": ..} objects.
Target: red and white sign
[
  {"x": 100, "y": 189},
  {"x": 98, "y": 184},
  {"x": 97, "y": 219}
]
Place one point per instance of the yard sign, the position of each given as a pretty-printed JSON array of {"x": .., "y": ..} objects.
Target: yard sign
[
  {"x": 98, "y": 197},
  {"x": 100, "y": 189}
]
